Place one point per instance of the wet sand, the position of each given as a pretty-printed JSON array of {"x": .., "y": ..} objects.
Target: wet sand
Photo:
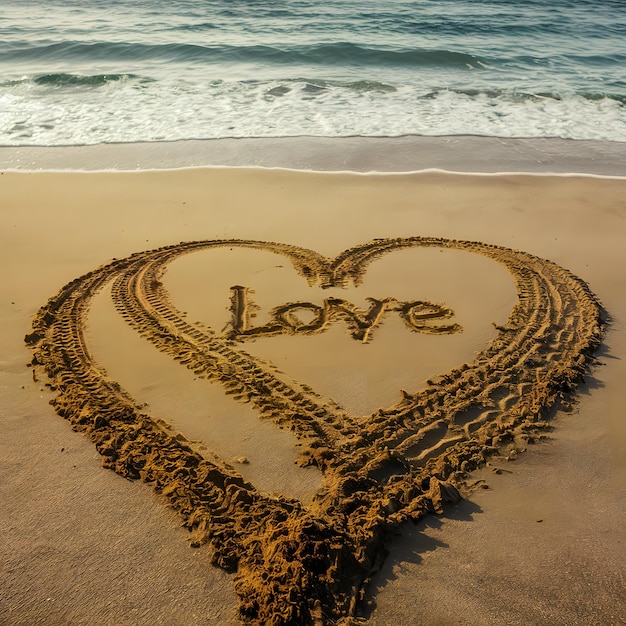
[
  {"x": 75, "y": 528},
  {"x": 355, "y": 154}
]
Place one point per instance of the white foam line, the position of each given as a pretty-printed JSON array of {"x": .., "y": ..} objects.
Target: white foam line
[{"x": 371, "y": 173}]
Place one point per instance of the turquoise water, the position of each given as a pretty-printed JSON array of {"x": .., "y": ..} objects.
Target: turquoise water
[{"x": 148, "y": 70}]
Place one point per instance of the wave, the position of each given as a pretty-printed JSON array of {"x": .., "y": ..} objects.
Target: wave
[
  {"x": 343, "y": 54},
  {"x": 522, "y": 96},
  {"x": 64, "y": 79},
  {"x": 332, "y": 54},
  {"x": 311, "y": 87},
  {"x": 61, "y": 79},
  {"x": 375, "y": 56},
  {"x": 172, "y": 110},
  {"x": 278, "y": 88}
]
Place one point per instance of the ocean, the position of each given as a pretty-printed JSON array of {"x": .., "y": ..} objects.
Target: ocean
[{"x": 91, "y": 72}]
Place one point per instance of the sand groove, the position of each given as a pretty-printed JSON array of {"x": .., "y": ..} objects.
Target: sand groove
[{"x": 297, "y": 564}]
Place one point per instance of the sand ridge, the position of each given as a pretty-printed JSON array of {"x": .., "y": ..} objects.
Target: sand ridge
[{"x": 299, "y": 564}]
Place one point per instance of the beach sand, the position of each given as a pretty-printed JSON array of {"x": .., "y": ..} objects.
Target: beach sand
[{"x": 538, "y": 539}]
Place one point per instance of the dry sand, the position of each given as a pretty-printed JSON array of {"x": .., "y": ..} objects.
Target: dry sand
[{"x": 544, "y": 544}]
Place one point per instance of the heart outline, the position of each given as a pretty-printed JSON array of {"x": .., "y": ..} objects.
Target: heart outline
[{"x": 321, "y": 555}]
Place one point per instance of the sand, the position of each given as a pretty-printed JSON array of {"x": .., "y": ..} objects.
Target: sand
[
  {"x": 86, "y": 545},
  {"x": 462, "y": 153}
]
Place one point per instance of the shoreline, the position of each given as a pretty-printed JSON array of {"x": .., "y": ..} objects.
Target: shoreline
[{"x": 406, "y": 154}]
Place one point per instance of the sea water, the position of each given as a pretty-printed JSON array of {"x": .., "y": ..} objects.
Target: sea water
[{"x": 94, "y": 71}]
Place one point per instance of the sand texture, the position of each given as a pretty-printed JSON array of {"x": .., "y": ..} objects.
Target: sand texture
[{"x": 305, "y": 547}]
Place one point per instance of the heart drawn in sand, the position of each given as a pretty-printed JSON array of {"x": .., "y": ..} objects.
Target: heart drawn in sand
[{"x": 298, "y": 564}]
